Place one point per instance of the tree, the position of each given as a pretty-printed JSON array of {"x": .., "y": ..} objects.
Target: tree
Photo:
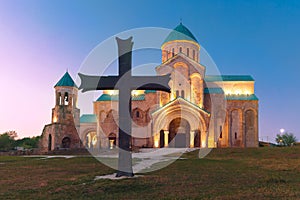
[
  {"x": 286, "y": 139},
  {"x": 6, "y": 142},
  {"x": 28, "y": 143},
  {"x": 12, "y": 134}
]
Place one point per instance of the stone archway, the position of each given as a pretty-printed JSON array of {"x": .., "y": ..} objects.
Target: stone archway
[
  {"x": 179, "y": 133},
  {"x": 91, "y": 140},
  {"x": 66, "y": 143},
  {"x": 180, "y": 108},
  {"x": 250, "y": 129},
  {"x": 236, "y": 133}
]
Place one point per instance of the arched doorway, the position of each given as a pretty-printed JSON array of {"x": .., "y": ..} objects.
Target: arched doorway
[
  {"x": 236, "y": 128},
  {"x": 179, "y": 133},
  {"x": 250, "y": 129},
  {"x": 112, "y": 140},
  {"x": 49, "y": 142},
  {"x": 91, "y": 140},
  {"x": 66, "y": 143},
  {"x": 161, "y": 138}
]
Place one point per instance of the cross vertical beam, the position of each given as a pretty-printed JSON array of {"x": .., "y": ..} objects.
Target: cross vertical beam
[
  {"x": 124, "y": 82},
  {"x": 125, "y": 60}
]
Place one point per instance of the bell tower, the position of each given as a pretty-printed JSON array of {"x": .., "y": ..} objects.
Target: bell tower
[
  {"x": 63, "y": 131},
  {"x": 66, "y": 94}
]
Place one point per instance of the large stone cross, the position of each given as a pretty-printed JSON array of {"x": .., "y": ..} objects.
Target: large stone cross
[{"x": 125, "y": 83}]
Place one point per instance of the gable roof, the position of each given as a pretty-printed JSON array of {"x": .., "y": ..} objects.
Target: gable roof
[
  {"x": 183, "y": 56},
  {"x": 107, "y": 97},
  {"x": 212, "y": 78},
  {"x": 216, "y": 90},
  {"x": 244, "y": 97},
  {"x": 66, "y": 80},
  {"x": 149, "y": 91},
  {"x": 88, "y": 118}
]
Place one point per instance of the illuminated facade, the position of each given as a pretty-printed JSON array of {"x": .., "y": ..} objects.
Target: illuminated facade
[
  {"x": 201, "y": 111},
  {"x": 62, "y": 132}
]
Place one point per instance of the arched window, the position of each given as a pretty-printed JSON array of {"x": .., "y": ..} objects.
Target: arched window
[
  {"x": 235, "y": 135},
  {"x": 173, "y": 53},
  {"x": 188, "y": 52},
  {"x": 66, "y": 98},
  {"x": 177, "y": 93},
  {"x": 182, "y": 93},
  {"x": 137, "y": 114},
  {"x": 221, "y": 133},
  {"x": 180, "y": 49},
  {"x": 194, "y": 54}
]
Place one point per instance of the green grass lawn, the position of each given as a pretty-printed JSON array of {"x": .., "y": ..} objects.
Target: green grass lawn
[{"x": 262, "y": 173}]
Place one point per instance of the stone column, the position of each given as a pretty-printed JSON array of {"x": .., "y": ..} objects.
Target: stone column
[
  {"x": 192, "y": 139},
  {"x": 104, "y": 142},
  {"x": 206, "y": 139},
  {"x": 75, "y": 101},
  {"x": 156, "y": 140},
  {"x": 70, "y": 100},
  {"x": 166, "y": 138},
  {"x": 62, "y": 99},
  {"x": 56, "y": 98},
  {"x": 229, "y": 130},
  {"x": 244, "y": 134},
  {"x": 98, "y": 144}
]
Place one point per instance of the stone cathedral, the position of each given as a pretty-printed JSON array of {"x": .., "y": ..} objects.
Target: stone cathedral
[{"x": 201, "y": 111}]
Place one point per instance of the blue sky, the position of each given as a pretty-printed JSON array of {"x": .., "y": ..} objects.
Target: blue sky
[{"x": 39, "y": 40}]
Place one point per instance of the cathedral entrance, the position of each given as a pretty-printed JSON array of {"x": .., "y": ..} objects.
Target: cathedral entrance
[
  {"x": 179, "y": 133},
  {"x": 66, "y": 143},
  {"x": 112, "y": 140}
]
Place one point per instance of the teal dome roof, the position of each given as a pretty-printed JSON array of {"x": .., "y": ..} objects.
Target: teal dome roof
[
  {"x": 66, "y": 80},
  {"x": 180, "y": 33}
]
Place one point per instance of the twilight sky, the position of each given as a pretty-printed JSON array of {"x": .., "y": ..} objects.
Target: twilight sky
[{"x": 39, "y": 40}]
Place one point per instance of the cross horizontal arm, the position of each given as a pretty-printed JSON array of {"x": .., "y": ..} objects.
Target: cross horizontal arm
[
  {"x": 89, "y": 83},
  {"x": 151, "y": 83}
]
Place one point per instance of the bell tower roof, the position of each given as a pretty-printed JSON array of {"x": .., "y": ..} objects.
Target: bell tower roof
[
  {"x": 180, "y": 32},
  {"x": 66, "y": 80}
]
